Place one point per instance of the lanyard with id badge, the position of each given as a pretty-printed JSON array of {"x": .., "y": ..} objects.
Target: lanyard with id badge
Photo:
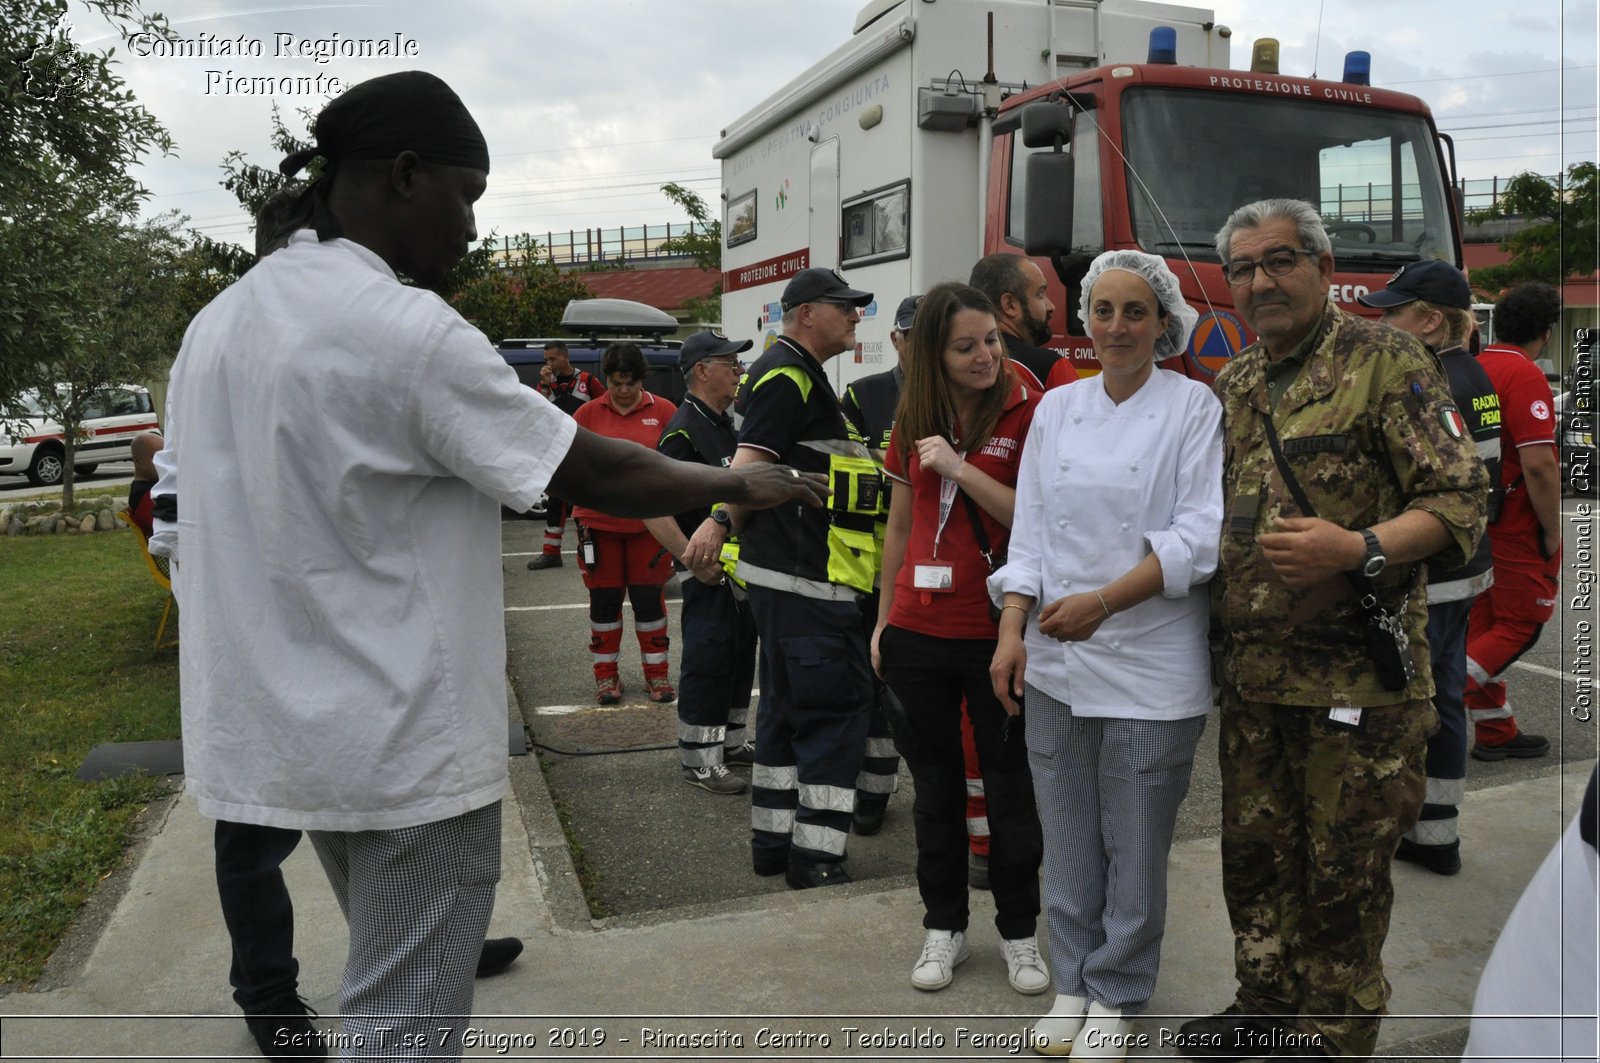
[{"x": 933, "y": 576}]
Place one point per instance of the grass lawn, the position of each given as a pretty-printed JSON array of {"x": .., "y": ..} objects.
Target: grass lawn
[{"x": 76, "y": 670}]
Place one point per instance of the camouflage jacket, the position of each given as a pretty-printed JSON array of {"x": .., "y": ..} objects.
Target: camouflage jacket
[{"x": 1370, "y": 431}]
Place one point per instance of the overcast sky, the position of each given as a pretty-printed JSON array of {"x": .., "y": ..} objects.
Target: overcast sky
[{"x": 590, "y": 105}]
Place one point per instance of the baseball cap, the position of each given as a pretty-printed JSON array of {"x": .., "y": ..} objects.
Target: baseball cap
[
  {"x": 817, "y": 283},
  {"x": 707, "y": 344},
  {"x": 906, "y": 312},
  {"x": 1435, "y": 282}
]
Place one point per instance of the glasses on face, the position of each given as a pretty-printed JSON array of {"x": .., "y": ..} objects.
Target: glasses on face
[
  {"x": 727, "y": 363},
  {"x": 843, "y": 304},
  {"x": 1279, "y": 262}
]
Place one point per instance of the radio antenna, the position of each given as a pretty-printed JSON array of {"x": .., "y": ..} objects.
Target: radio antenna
[{"x": 1316, "y": 54}]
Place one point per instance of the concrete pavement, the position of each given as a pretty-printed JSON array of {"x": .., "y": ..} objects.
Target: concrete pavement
[{"x": 780, "y": 976}]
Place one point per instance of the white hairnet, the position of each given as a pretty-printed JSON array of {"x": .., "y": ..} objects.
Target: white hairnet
[{"x": 1181, "y": 317}]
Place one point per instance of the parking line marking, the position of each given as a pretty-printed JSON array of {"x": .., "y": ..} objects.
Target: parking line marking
[
  {"x": 1556, "y": 673},
  {"x": 577, "y": 605},
  {"x": 568, "y": 710}
]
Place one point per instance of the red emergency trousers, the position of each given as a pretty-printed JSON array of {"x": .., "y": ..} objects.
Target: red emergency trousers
[
  {"x": 1506, "y": 619},
  {"x": 625, "y": 555}
]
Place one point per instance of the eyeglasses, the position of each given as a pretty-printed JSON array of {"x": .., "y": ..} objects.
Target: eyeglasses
[
  {"x": 731, "y": 363},
  {"x": 1278, "y": 262}
]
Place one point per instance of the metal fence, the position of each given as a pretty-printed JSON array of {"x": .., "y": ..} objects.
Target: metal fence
[
  {"x": 1370, "y": 202},
  {"x": 621, "y": 244},
  {"x": 1350, "y": 202},
  {"x": 1485, "y": 192}
]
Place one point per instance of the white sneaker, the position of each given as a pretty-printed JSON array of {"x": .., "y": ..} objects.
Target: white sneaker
[
  {"x": 1053, "y": 1034},
  {"x": 942, "y": 953},
  {"x": 1104, "y": 1037},
  {"x": 1024, "y": 969}
]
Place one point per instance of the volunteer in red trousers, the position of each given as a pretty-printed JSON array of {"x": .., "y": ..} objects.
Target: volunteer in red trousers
[
  {"x": 1526, "y": 533},
  {"x": 617, "y": 553},
  {"x": 569, "y": 389}
]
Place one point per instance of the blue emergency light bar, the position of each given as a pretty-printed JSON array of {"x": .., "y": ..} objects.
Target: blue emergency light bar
[
  {"x": 1164, "y": 45},
  {"x": 1358, "y": 68}
]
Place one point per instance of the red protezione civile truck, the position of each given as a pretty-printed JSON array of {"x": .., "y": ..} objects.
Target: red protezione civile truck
[{"x": 944, "y": 130}]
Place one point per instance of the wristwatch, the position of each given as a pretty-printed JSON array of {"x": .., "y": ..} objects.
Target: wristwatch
[
  {"x": 724, "y": 518},
  {"x": 1375, "y": 559}
]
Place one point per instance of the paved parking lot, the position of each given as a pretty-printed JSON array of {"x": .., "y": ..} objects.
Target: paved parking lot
[{"x": 650, "y": 844}]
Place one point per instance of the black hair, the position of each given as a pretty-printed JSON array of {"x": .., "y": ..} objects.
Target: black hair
[
  {"x": 625, "y": 358},
  {"x": 1523, "y": 313},
  {"x": 1000, "y": 274},
  {"x": 555, "y": 345},
  {"x": 285, "y": 211}
]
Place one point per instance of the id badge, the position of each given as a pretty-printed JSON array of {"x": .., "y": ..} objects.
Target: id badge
[{"x": 937, "y": 577}]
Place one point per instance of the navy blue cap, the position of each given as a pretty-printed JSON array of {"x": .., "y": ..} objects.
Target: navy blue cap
[
  {"x": 707, "y": 344},
  {"x": 1435, "y": 282},
  {"x": 815, "y": 284},
  {"x": 906, "y": 312}
]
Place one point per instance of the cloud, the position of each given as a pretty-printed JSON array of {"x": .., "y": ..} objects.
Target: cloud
[{"x": 590, "y": 105}]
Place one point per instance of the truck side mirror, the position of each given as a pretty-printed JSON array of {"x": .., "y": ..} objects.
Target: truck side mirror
[
  {"x": 1047, "y": 179},
  {"x": 1046, "y": 125},
  {"x": 1047, "y": 211}
]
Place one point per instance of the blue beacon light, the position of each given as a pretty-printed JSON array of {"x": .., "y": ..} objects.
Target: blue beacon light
[
  {"x": 1164, "y": 46},
  {"x": 1358, "y": 68}
]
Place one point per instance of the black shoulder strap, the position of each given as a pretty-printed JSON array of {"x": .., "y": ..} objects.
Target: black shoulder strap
[
  {"x": 1366, "y": 590},
  {"x": 977, "y": 530}
]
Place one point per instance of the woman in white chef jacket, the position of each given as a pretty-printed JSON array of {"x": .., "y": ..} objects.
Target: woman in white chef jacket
[{"x": 1103, "y": 632}]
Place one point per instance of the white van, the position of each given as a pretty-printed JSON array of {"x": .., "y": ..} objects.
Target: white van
[{"x": 34, "y": 448}]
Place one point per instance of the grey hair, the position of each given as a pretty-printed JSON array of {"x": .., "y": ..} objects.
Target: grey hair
[
  {"x": 791, "y": 316},
  {"x": 1307, "y": 223}
]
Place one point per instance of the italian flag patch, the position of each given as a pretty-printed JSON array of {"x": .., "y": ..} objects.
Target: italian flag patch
[{"x": 1450, "y": 417}]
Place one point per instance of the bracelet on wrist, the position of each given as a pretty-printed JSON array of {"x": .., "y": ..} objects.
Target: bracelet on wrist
[{"x": 1103, "y": 604}]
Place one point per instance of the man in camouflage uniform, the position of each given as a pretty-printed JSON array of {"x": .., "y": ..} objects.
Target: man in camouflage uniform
[{"x": 1322, "y": 767}]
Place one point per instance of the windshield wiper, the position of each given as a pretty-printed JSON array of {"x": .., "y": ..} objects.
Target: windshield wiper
[{"x": 1175, "y": 245}]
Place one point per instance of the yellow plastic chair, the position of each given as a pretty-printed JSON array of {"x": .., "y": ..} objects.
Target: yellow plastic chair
[{"x": 159, "y": 569}]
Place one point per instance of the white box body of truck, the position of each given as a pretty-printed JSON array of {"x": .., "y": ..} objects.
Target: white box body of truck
[{"x": 875, "y": 160}]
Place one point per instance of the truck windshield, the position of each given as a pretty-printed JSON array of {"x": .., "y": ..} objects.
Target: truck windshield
[{"x": 1194, "y": 156}]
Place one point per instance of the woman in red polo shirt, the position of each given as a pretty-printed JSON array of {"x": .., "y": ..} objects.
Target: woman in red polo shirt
[
  {"x": 958, "y": 435},
  {"x": 616, "y": 552}
]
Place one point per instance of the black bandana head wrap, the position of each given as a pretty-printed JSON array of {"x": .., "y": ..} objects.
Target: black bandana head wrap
[{"x": 380, "y": 118}]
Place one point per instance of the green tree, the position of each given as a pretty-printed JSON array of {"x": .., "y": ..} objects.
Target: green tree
[
  {"x": 703, "y": 244},
  {"x": 1561, "y": 238},
  {"x": 524, "y": 296},
  {"x": 145, "y": 281},
  {"x": 253, "y": 185},
  {"x": 69, "y": 132}
]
